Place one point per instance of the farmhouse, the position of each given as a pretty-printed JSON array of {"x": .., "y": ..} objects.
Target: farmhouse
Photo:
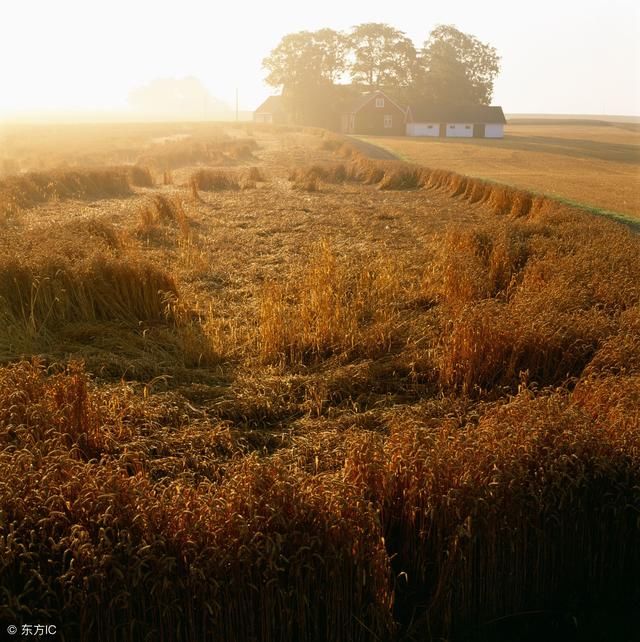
[
  {"x": 479, "y": 121},
  {"x": 374, "y": 113},
  {"x": 272, "y": 110}
]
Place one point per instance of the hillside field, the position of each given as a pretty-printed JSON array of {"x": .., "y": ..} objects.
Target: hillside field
[
  {"x": 595, "y": 163},
  {"x": 256, "y": 386}
]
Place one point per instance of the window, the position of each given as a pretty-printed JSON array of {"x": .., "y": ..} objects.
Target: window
[
  {"x": 452, "y": 126},
  {"x": 388, "y": 121},
  {"x": 429, "y": 126},
  {"x": 379, "y": 102},
  {"x": 467, "y": 126}
]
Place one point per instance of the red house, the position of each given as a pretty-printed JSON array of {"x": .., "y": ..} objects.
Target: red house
[{"x": 374, "y": 113}]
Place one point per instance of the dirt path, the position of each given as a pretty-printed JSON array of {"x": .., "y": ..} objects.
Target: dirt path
[{"x": 372, "y": 151}]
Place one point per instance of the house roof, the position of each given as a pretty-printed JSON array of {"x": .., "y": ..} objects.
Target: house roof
[
  {"x": 358, "y": 103},
  {"x": 457, "y": 114},
  {"x": 271, "y": 105}
]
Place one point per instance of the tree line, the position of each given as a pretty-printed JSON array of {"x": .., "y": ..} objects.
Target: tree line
[{"x": 318, "y": 70}]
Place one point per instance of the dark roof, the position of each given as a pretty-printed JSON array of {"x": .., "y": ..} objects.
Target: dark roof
[
  {"x": 458, "y": 114},
  {"x": 358, "y": 103},
  {"x": 271, "y": 105}
]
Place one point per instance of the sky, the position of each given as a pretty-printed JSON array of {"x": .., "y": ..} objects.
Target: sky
[{"x": 557, "y": 57}]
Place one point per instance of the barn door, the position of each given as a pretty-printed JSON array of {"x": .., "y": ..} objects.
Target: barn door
[
  {"x": 443, "y": 130},
  {"x": 478, "y": 130}
]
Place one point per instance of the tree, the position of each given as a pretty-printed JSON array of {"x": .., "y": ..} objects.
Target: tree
[
  {"x": 175, "y": 98},
  {"x": 382, "y": 56},
  {"x": 305, "y": 66},
  {"x": 333, "y": 47},
  {"x": 453, "y": 67},
  {"x": 457, "y": 67},
  {"x": 307, "y": 58}
]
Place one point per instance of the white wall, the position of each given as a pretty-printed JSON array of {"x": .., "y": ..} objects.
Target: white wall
[
  {"x": 494, "y": 131},
  {"x": 459, "y": 130},
  {"x": 262, "y": 117},
  {"x": 422, "y": 129}
]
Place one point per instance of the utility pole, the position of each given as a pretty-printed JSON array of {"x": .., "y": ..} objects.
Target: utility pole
[{"x": 236, "y": 104}]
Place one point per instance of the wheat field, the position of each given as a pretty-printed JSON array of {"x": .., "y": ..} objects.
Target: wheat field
[
  {"x": 258, "y": 386},
  {"x": 596, "y": 164}
]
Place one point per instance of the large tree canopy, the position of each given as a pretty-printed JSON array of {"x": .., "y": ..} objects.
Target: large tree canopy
[
  {"x": 306, "y": 66},
  {"x": 333, "y": 48},
  {"x": 453, "y": 67},
  {"x": 382, "y": 56},
  {"x": 307, "y": 58},
  {"x": 457, "y": 67}
]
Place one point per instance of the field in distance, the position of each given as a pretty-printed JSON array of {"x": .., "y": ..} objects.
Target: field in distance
[{"x": 592, "y": 162}]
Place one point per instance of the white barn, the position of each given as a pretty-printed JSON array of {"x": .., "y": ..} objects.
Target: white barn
[{"x": 473, "y": 121}]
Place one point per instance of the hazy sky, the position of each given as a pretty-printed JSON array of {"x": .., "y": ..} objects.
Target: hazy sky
[{"x": 557, "y": 57}]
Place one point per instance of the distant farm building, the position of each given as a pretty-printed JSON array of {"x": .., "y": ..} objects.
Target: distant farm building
[
  {"x": 271, "y": 111},
  {"x": 477, "y": 121},
  {"x": 374, "y": 113}
]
